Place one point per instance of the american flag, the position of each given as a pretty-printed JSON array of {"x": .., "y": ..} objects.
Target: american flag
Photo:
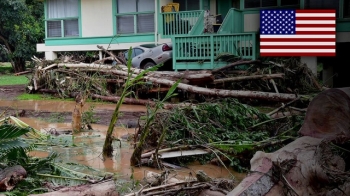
[{"x": 297, "y": 32}]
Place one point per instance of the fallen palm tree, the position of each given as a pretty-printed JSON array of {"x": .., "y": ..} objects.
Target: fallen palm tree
[{"x": 270, "y": 81}]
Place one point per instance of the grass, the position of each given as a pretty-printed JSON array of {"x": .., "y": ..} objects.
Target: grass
[
  {"x": 5, "y": 68},
  {"x": 27, "y": 96},
  {"x": 13, "y": 80}
]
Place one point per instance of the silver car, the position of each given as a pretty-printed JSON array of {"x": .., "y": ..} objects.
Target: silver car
[{"x": 148, "y": 55}]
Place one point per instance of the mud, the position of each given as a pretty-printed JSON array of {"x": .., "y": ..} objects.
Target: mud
[
  {"x": 86, "y": 147},
  {"x": 11, "y": 92},
  {"x": 63, "y": 109}
]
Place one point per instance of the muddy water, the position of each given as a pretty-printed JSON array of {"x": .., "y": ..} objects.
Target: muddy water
[
  {"x": 86, "y": 147},
  {"x": 65, "y": 106}
]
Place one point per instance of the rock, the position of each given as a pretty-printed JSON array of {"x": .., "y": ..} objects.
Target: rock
[
  {"x": 306, "y": 166},
  {"x": 10, "y": 176},
  {"x": 332, "y": 120},
  {"x": 202, "y": 176},
  {"x": 208, "y": 192}
]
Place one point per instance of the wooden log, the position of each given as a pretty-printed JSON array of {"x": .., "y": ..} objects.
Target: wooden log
[
  {"x": 85, "y": 65},
  {"x": 235, "y": 64},
  {"x": 226, "y": 93},
  {"x": 50, "y": 66},
  {"x": 115, "y": 99},
  {"x": 254, "y": 77},
  {"x": 166, "y": 186},
  {"x": 119, "y": 61},
  {"x": 23, "y": 72},
  {"x": 51, "y": 91},
  {"x": 106, "y": 188},
  {"x": 273, "y": 82},
  {"x": 104, "y": 59}
]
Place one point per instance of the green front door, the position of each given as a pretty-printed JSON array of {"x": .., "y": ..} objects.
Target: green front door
[{"x": 223, "y": 7}]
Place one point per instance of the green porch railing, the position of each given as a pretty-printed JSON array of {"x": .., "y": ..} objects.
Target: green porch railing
[
  {"x": 201, "y": 50},
  {"x": 233, "y": 22},
  {"x": 179, "y": 23}
]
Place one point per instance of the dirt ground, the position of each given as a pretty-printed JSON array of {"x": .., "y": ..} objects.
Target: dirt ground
[
  {"x": 127, "y": 119},
  {"x": 11, "y": 92}
]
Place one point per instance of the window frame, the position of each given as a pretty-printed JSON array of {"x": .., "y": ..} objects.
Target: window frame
[
  {"x": 62, "y": 20},
  {"x": 279, "y": 4},
  {"x": 186, "y": 5},
  {"x": 135, "y": 20}
]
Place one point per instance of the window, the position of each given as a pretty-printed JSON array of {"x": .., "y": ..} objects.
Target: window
[
  {"x": 134, "y": 52},
  {"x": 269, "y": 3},
  {"x": 187, "y": 5},
  {"x": 323, "y": 4},
  {"x": 259, "y": 3},
  {"x": 62, "y": 13},
  {"x": 346, "y": 7},
  {"x": 289, "y": 2},
  {"x": 131, "y": 11}
]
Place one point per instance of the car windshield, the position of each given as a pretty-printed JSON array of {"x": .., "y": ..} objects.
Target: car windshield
[{"x": 150, "y": 45}]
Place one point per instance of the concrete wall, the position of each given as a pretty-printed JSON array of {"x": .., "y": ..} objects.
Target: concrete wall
[
  {"x": 213, "y": 10},
  {"x": 343, "y": 36},
  {"x": 97, "y": 18}
]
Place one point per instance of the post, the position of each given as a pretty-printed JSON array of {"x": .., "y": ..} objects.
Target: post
[
  {"x": 311, "y": 62},
  {"x": 50, "y": 55}
]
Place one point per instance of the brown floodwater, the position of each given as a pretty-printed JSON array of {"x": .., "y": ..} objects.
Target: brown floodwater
[
  {"x": 65, "y": 106},
  {"x": 86, "y": 147}
]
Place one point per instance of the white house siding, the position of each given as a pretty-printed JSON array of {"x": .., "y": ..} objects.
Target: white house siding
[
  {"x": 97, "y": 18},
  {"x": 251, "y": 22}
]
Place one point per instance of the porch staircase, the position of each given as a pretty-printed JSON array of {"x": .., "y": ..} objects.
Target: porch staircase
[{"x": 194, "y": 49}]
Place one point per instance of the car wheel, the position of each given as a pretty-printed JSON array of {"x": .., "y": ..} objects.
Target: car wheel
[{"x": 148, "y": 65}]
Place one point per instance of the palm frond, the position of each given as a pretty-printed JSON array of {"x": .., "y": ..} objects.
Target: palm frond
[
  {"x": 9, "y": 132},
  {"x": 13, "y": 150},
  {"x": 70, "y": 174},
  {"x": 33, "y": 134},
  {"x": 6, "y": 146}
]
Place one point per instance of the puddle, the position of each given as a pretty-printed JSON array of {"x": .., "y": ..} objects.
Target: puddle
[
  {"x": 86, "y": 147},
  {"x": 66, "y": 106}
]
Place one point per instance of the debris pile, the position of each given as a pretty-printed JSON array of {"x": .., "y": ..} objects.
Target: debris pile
[{"x": 278, "y": 81}]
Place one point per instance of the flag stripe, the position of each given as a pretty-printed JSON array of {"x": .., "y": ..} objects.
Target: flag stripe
[
  {"x": 315, "y": 15},
  {"x": 313, "y": 32},
  {"x": 298, "y": 50},
  {"x": 297, "y": 54},
  {"x": 262, "y": 47},
  {"x": 315, "y": 29},
  {"x": 315, "y": 18},
  {"x": 314, "y": 25},
  {"x": 315, "y": 22},
  {"x": 299, "y": 36},
  {"x": 297, "y": 44},
  {"x": 264, "y": 40},
  {"x": 315, "y": 11}
]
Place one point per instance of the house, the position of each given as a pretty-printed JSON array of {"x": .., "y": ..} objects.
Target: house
[{"x": 80, "y": 25}]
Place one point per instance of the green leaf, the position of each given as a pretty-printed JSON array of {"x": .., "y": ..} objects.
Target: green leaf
[
  {"x": 171, "y": 90},
  {"x": 7, "y": 146},
  {"x": 8, "y": 132}
]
